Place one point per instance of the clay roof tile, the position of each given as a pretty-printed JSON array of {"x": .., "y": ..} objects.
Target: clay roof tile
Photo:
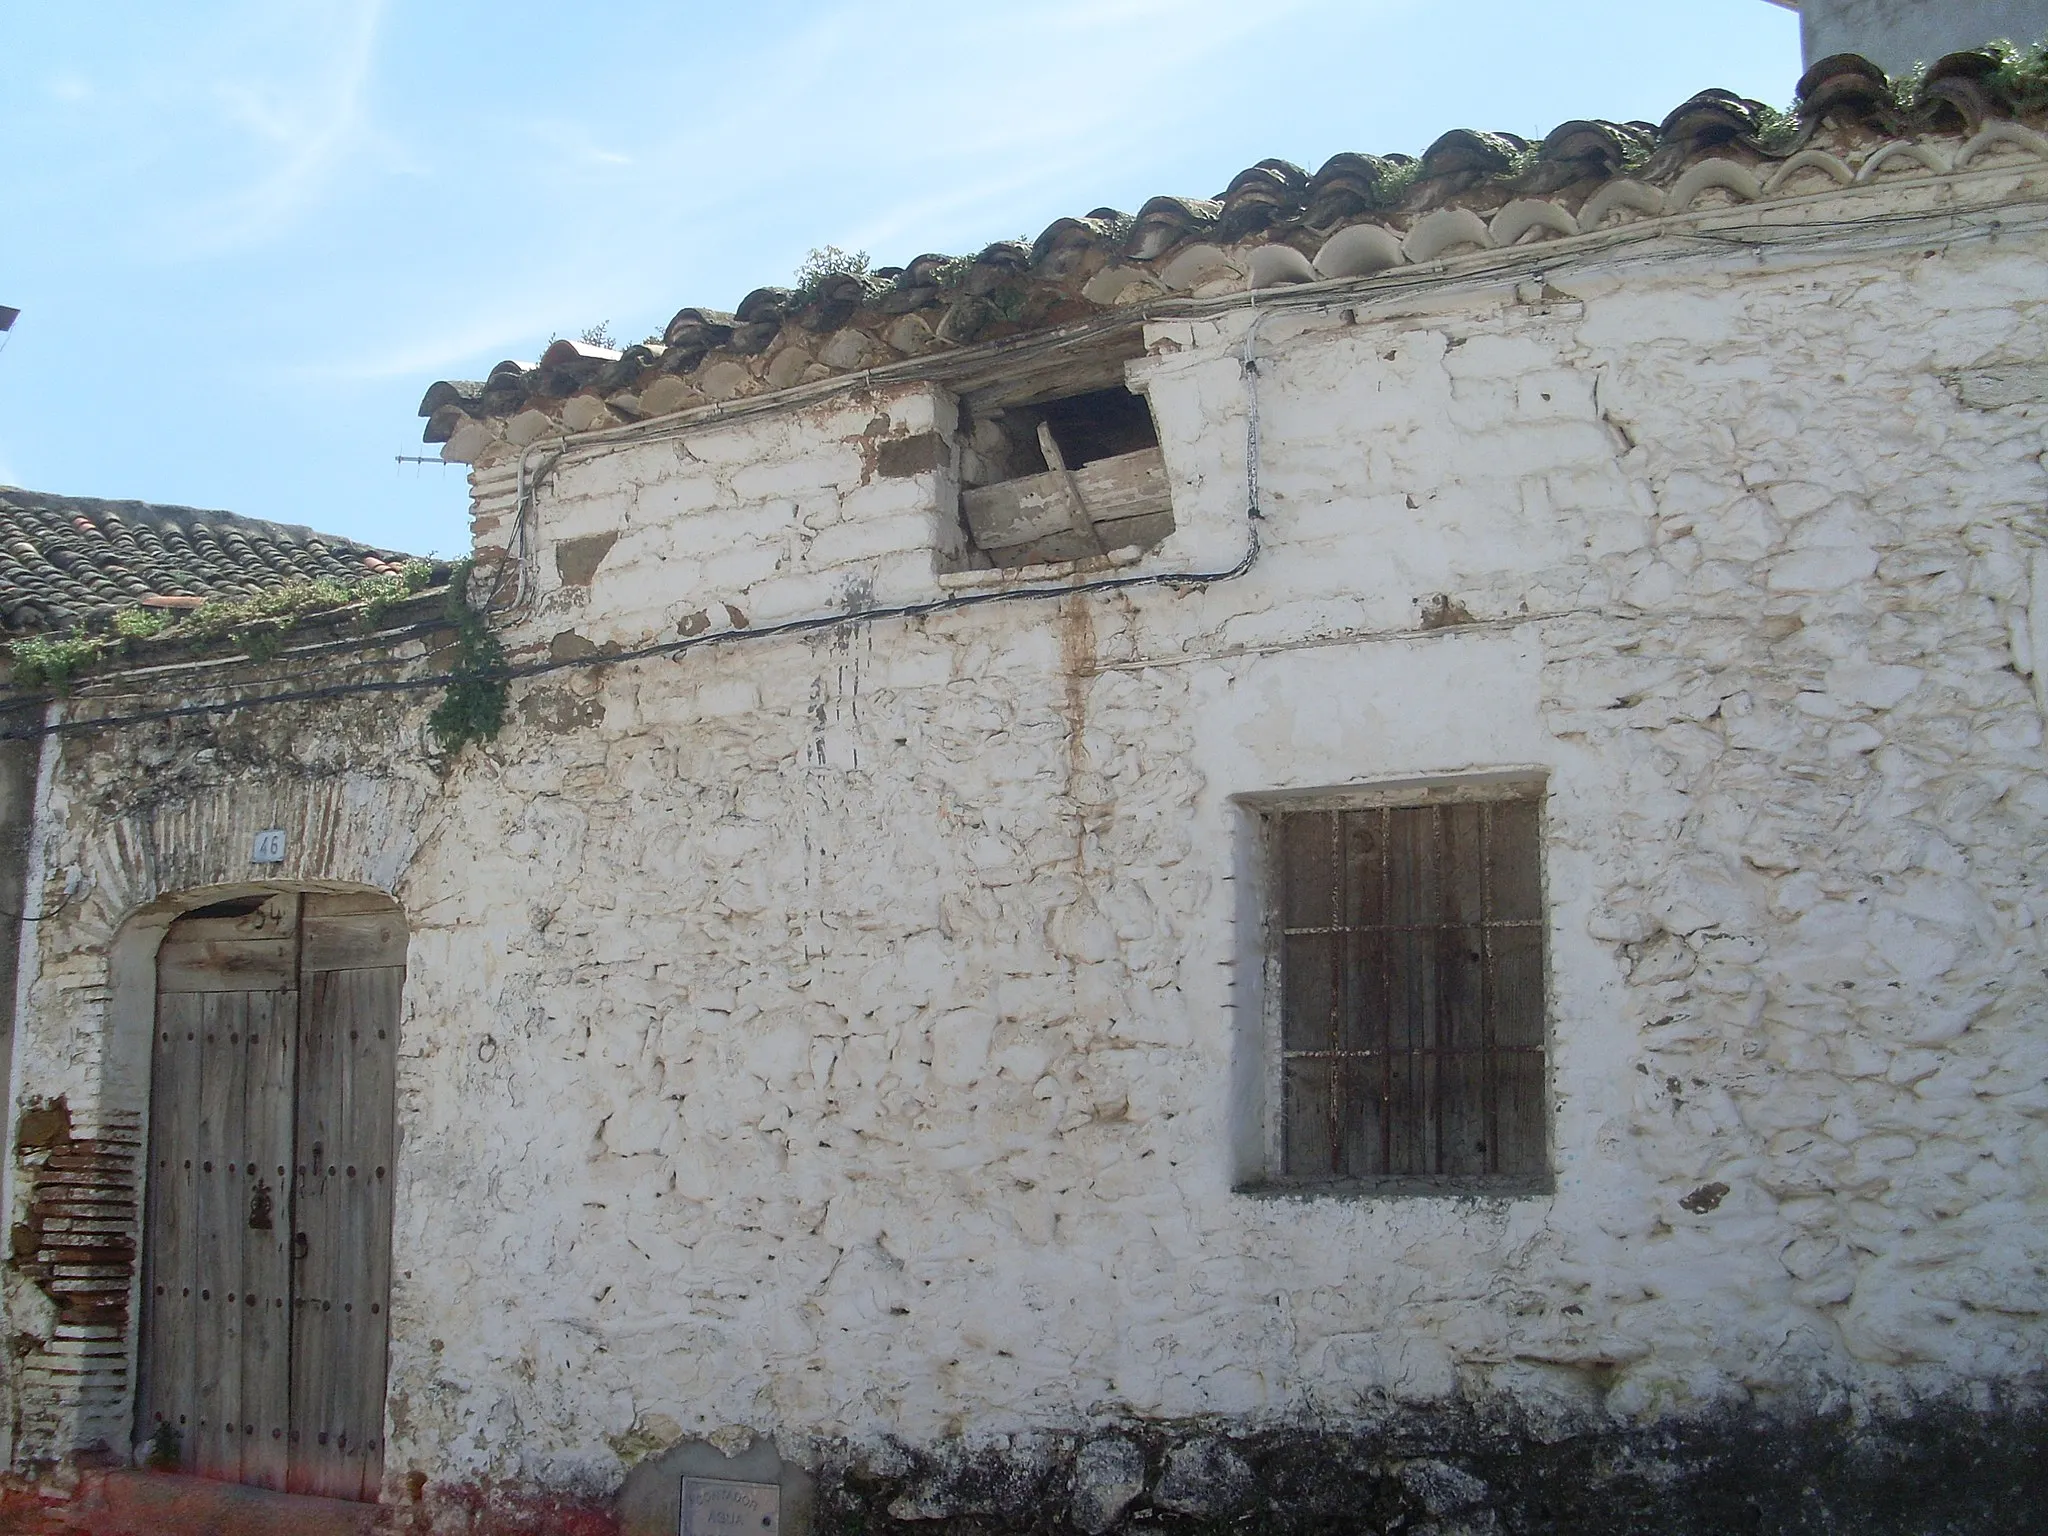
[
  {"x": 1472, "y": 178},
  {"x": 69, "y": 559}
]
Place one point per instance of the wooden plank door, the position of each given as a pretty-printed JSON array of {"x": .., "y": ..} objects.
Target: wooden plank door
[
  {"x": 352, "y": 963},
  {"x": 267, "y": 1249},
  {"x": 216, "y": 1318}
]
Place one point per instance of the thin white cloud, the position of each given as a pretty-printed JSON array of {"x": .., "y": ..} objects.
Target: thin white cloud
[
  {"x": 507, "y": 331},
  {"x": 298, "y": 128},
  {"x": 206, "y": 130},
  {"x": 957, "y": 161}
]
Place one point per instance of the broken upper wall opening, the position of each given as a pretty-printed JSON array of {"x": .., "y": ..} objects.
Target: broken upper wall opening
[{"x": 1061, "y": 467}]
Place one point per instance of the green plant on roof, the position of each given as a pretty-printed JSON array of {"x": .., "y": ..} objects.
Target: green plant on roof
[
  {"x": 1906, "y": 88},
  {"x": 51, "y": 661},
  {"x": 1392, "y": 187},
  {"x": 1522, "y": 161},
  {"x": 827, "y": 261},
  {"x": 1117, "y": 228},
  {"x": 599, "y": 335},
  {"x": 257, "y": 624},
  {"x": 378, "y": 594},
  {"x": 1009, "y": 302},
  {"x": 1776, "y": 130},
  {"x": 2022, "y": 74},
  {"x": 141, "y": 623}
]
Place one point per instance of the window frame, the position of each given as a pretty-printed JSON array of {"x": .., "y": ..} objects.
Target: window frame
[
  {"x": 1139, "y": 513},
  {"x": 1261, "y": 1090}
]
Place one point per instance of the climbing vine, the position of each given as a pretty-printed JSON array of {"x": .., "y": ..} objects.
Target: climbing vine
[{"x": 473, "y": 709}]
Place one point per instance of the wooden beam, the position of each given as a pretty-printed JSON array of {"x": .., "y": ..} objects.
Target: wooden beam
[
  {"x": 1031, "y": 508},
  {"x": 1078, "y": 520}
]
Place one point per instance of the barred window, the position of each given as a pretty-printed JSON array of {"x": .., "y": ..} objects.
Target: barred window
[{"x": 1409, "y": 951}]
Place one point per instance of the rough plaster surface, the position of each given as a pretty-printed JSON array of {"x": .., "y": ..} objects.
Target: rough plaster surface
[{"x": 845, "y": 1035}]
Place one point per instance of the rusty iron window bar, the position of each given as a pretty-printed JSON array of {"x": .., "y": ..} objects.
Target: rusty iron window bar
[{"x": 1411, "y": 987}]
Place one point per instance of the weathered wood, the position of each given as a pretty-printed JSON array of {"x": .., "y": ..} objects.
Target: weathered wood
[
  {"x": 366, "y": 941},
  {"x": 217, "y": 1365},
  {"x": 267, "y": 1251},
  {"x": 1515, "y": 875},
  {"x": 166, "y": 1404},
  {"x": 1130, "y": 533},
  {"x": 346, "y": 1135},
  {"x": 225, "y": 965},
  {"x": 276, "y": 918},
  {"x": 270, "y": 1044},
  {"x": 994, "y": 383},
  {"x": 1411, "y": 990},
  {"x": 375, "y": 1128},
  {"x": 1079, "y": 523},
  {"x": 315, "y": 1340},
  {"x": 349, "y": 904},
  {"x": 1115, "y": 493}
]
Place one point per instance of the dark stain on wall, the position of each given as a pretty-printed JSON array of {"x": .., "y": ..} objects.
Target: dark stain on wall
[{"x": 577, "y": 560}]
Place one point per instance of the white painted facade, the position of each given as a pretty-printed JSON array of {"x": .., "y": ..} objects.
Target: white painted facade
[{"x": 857, "y": 1033}]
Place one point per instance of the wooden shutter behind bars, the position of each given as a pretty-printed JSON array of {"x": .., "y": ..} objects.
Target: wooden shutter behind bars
[{"x": 1412, "y": 992}]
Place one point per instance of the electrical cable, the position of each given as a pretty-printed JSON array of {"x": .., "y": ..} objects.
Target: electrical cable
[
  {"x": 809, "y": 625},
  {"x": 1188, "y": 580},
  {"x": 1320, "y": 296}
]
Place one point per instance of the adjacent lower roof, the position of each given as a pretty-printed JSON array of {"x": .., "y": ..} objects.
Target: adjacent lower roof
[
  {"x": 67, "y": 561},
  {"x": 1274, "y": 223}
]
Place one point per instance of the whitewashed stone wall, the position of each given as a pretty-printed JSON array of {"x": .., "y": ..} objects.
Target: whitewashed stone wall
[{"x": 845, "y": 1034}]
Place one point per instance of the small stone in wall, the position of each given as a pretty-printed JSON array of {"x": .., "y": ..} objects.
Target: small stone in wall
[
  {"x": 903, "y": 456},
  {"x": 1704, "y": 1199},
  {"x": 1443, "y": 611},
  {"x": 571, "y": 646},
  {"x": 577, "y": 560},
  {"x": 1005, "y": 1478},
  {"x": 44, "y": 1124},
  {"x": 559, "y": 712},
  {"x": 1481, "y": 1522},
  {"x": 1109, "y": 1475},
  {"x": 1440, "y": 1488},
  {"x": 1205, "y": 1477}
]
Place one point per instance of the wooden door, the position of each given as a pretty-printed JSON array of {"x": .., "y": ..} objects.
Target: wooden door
[
  {"x": 352, "y": 967},
  {"x": 277, "y": 1024}
]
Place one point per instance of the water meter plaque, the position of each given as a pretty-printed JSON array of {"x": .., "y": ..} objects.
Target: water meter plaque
[{"x": 715, "y": 1507}]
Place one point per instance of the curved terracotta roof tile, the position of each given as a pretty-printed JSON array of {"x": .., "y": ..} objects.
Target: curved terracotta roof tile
[
  {"x": 837, "y": 296},
  {"x": 67, "y": 560},
  {"x": 765, "y": 304},
  {"x": 1165, "y": 222},
  {"x": 1356, "y": 215}
]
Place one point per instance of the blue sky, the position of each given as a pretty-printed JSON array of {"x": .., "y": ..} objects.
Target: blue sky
[{"x": 245, "y": 237}]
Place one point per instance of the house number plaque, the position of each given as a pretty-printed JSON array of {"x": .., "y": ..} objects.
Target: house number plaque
[
  {"x": 715, "y": 1507},
  {"x": 268, "y": 847}
]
